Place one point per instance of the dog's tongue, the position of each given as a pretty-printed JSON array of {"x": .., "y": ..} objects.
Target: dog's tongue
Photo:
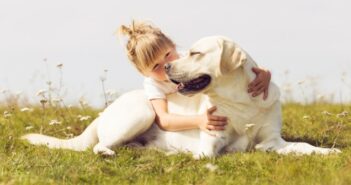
[{"x": 180, "y": 86}]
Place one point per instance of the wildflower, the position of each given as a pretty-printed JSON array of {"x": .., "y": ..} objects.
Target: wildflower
[
  {"x": 287, "y": 88},
  {"x": 343, "y": 77},
  {"x": 26, "y": 109},
  {"x": 211, "y": 167},
  {"x": 29, "y": 127},
  {"x": 54, "y": 122},
  {"x": 102, "y": 78},
  {"x": 111, "y": 92},
  {"x": 286, "y": 72},
  {"x": 56, "y": 100},
  {"x": 18, "y": 93},
  {"x": 320, "y": 97},
  {"x": 43, "y": 101},
  {"x": 7, "y": 114},
  {"x": 301, "y": 82},
  {"x": 342, "y": 114},
  {"x": 41, "y": 92},
  {"x": 60, "y": 65},
  {"x": 83, "y": 118},
  {"x": 82, "y": 101},
  {"x": 327, "y": 113},
  {"x": 4, "y": 91},
  {"x": 248, "y": 126}
]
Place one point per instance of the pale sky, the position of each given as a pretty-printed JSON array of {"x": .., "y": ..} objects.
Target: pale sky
[{"x": 308, "y": 38}]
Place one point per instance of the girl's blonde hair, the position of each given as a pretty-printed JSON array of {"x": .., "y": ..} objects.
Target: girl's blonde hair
[{"x": 145, "y": 43}]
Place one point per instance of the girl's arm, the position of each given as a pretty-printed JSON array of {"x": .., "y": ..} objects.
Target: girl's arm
[{"x": 174, "y": 122}]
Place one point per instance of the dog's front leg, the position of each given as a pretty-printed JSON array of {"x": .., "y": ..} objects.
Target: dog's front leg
[{"x": 210, "y": 144}]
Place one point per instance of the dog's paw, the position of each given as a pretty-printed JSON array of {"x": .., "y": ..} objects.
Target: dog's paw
[
  {"x": 331, "y": 151},
  {"x": 169, "y": 153},
  {"x": 326, "y": 151},
  {"x": 337, "y": 151},
  {"x": 108, "y": 153},
  {"x": 103, "y": 150},
  {"x": 197, "y": 156}
]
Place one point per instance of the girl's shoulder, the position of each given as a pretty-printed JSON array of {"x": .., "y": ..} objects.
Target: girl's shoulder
[
  {"x": 151, "y": 82},
  {"x": 155, "y": 89}
]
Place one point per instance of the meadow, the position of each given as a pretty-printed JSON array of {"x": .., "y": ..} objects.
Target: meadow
[
  {"x": 318, "y": 122},
  {"x": 326, "y": 125}
]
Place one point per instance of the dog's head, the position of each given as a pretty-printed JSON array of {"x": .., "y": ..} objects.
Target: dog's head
[{"x": 208, "y": 60}]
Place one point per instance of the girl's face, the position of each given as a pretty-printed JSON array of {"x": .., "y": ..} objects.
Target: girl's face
[{"x": 157, "y": 71}]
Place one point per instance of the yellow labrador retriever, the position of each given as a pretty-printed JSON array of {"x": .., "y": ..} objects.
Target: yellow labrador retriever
[{"x": 215, "y": 72}]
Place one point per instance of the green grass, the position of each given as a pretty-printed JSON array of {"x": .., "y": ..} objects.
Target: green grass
[{"x": 21, "y": 163}]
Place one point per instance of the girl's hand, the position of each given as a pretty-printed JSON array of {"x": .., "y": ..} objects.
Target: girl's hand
[
  {"x": 212, "y": 122},
  {"x": 261, "y": 83}
]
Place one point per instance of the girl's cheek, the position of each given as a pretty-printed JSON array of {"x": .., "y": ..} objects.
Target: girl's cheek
[
  {"x": 161, "y": 73},
  {"x": 161, "y": 69}
]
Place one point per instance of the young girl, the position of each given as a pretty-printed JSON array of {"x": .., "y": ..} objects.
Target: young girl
[{"x": 149, "y": 50}]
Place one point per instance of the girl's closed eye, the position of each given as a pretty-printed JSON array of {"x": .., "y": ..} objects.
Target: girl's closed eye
[
  {"x": 157, "y": 66},
  {"x": 167, "y": 54}
]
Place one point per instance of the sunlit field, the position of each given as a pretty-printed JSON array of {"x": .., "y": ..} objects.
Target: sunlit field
[
  {"x": 62, "y": 63},
  {"x": 323, "y": 125},
  {"x": 317, "y": 121}
]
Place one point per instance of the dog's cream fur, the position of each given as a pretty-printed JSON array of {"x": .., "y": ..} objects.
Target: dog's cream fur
[{"x": 253, "y": 123}]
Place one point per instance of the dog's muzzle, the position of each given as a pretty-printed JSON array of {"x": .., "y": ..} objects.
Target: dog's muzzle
[
  {"x": 186, "y": 86},
  {"x": 192, "y": 86}
]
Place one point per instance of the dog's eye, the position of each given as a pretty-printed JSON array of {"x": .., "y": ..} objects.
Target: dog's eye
[{"x": 192, "y": 53}]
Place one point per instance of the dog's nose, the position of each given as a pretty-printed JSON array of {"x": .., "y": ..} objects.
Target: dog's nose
[{"x": 167, "y": 67}]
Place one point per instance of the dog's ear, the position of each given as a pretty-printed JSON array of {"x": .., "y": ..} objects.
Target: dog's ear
[{"x": 232, "y": 56}]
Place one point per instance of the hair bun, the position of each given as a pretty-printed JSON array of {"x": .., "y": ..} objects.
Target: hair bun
[
  {"x": 138, "y": 28},
  {"x": 124, "y": 30}
]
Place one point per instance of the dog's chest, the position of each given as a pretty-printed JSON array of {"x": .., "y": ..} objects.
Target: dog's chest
[
  {"x": 241, "y": 118},
  {"x": 241, "y": 114}
]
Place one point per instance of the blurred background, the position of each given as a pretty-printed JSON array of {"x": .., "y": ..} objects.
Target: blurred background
[{"x": 71, "y": 46}]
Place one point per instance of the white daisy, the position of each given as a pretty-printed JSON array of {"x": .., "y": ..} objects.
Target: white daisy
[{"x": 54, "y": 122}]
